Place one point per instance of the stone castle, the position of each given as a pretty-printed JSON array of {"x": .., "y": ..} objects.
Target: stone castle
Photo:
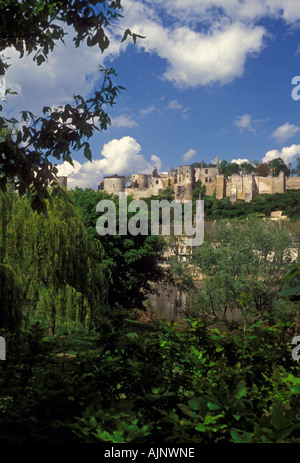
[{"x": 182, "y": 181}]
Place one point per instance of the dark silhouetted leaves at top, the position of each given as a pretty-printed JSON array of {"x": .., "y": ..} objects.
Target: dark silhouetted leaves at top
[{"x": 35, "y": 27}]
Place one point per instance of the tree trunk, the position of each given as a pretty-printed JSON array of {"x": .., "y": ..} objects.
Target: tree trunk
[{"x": 52, "y": 322}]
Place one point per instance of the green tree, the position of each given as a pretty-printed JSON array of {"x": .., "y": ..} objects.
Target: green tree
[
  {"x": 262, "y": 169},
  {"x": 59, "y": 267},
  {"x": 234, "y": 168},
  {"x": 227, "y": 169},
  {"x": 278, "y": 165},
  {"x": 11, "y": 289},
  {"x": 199, "y": 189},
  {"x": 224, "y": 168},
  {"x": 131, "y": 261},
  {"x": 242, "y": 268},
  {"x": 247, "y": 168}
]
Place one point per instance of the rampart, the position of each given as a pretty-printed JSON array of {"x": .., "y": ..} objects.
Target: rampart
[{"x": 182, "y": 182}]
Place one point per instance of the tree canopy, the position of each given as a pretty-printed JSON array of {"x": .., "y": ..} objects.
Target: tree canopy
[{"x": 35, "y": 27}]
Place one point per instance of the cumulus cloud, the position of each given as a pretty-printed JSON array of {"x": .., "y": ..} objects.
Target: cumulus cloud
[
  {"x": 284, "y": 132},
  {"x": 240, "y": 161},
  {"x": 189, "y": 155},
  {"x": 119, "y": 156},
  {"x": 288, "y": 10},
  {"x": 195, "y": 55},
  {"x": 288, "y": 154},
  {"x": 208, "y": 41}
]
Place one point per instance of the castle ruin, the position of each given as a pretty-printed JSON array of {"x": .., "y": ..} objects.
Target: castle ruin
[{"x": 182, "y": 181}]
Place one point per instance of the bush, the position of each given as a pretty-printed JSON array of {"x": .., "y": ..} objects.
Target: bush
[{"x": 164, "y": 385}]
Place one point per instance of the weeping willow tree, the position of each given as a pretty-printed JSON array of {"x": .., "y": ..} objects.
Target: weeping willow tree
[
  {"x": 11, "y": 294},
  {"x": 58, "y": 269}
]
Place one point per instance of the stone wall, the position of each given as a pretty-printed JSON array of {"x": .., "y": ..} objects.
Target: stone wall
[
  {"x": 264, "y": 185},
  {"x": 278, "y": 183},
  {"x": 293, "y": 183},
  {"x": 237, "y": 187}
]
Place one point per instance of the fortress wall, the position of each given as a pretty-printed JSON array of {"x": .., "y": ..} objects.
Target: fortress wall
[
  {"x": 197, "y": 174},
  {"x": 228, "y": 186},
  {"x": 293, "y": 183},
  {"x": 248, "y": 187},
  {"x": 139, "y": 193},
  {"x": 220, "y": 187},
  {"x": 243, "y": 187},
  {"x": 264, "y": 185},
  {"x": 278, "y": 183},
  {"x": 236, "y": 191},
  {"x": 165, "y": 182},
  {"x": 208, "y": 177},
  {"x": 211, "y": 187},
  {"x": 156, "y": 186}
]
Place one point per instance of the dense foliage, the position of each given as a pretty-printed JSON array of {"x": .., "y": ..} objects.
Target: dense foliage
[
  {"x": 131, "y": 261},
  {"x": 125, "y": 384},
  {"x": 105, "y": 377},
  {"x": 57, "y": 269},
  {"x": 242, "y": 267},
  {"x": 288, "y": 202}
]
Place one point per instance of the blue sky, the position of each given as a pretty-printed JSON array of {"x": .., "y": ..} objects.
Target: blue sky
[{"x": 211, "y": 78}]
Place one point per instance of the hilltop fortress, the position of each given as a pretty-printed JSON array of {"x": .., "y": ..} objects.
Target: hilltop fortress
[{"x": 182, "y": 181}]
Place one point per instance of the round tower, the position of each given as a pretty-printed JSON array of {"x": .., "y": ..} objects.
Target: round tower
[
  {"x": 114, "y": 184},
  {"x": 142, "y": 180},
  {"x": 188, "y": 178}
]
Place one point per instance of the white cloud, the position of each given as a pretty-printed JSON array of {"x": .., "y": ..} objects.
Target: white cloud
[
  {"x": 119, "y": 156},
  {"x": 244, "y": 122},
  {"x": 67, "y": 169},
  {"x": 288, "y": 10},
  {"x": 288, "y": 154},
  {"x": 147, "y": 111},
  {"x": 67, "y": 72},
  {"x": 240, "y": 161},
  {"x": 208, "y": 41},
  {"x": 189, "y": 155},
  {"x": 285, "y": 131},
  {"x": 194, "y": 56},
  {"x": 123, "y": 121},
  {"x": 174, "y": 105}
]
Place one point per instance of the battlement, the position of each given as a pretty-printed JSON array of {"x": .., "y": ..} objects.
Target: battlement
[{"x": 182, "y": 182}]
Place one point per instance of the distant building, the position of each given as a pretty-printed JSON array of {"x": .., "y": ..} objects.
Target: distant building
[
  {"x": 182, "y": 181},
  {"x": 113, "y": 184}
]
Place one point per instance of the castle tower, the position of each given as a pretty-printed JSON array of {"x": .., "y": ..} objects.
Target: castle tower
[
  {"x": 188, "y": 173},
  {"x": 142, "y": 180},
  {"x": 114, "y": 184}
]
